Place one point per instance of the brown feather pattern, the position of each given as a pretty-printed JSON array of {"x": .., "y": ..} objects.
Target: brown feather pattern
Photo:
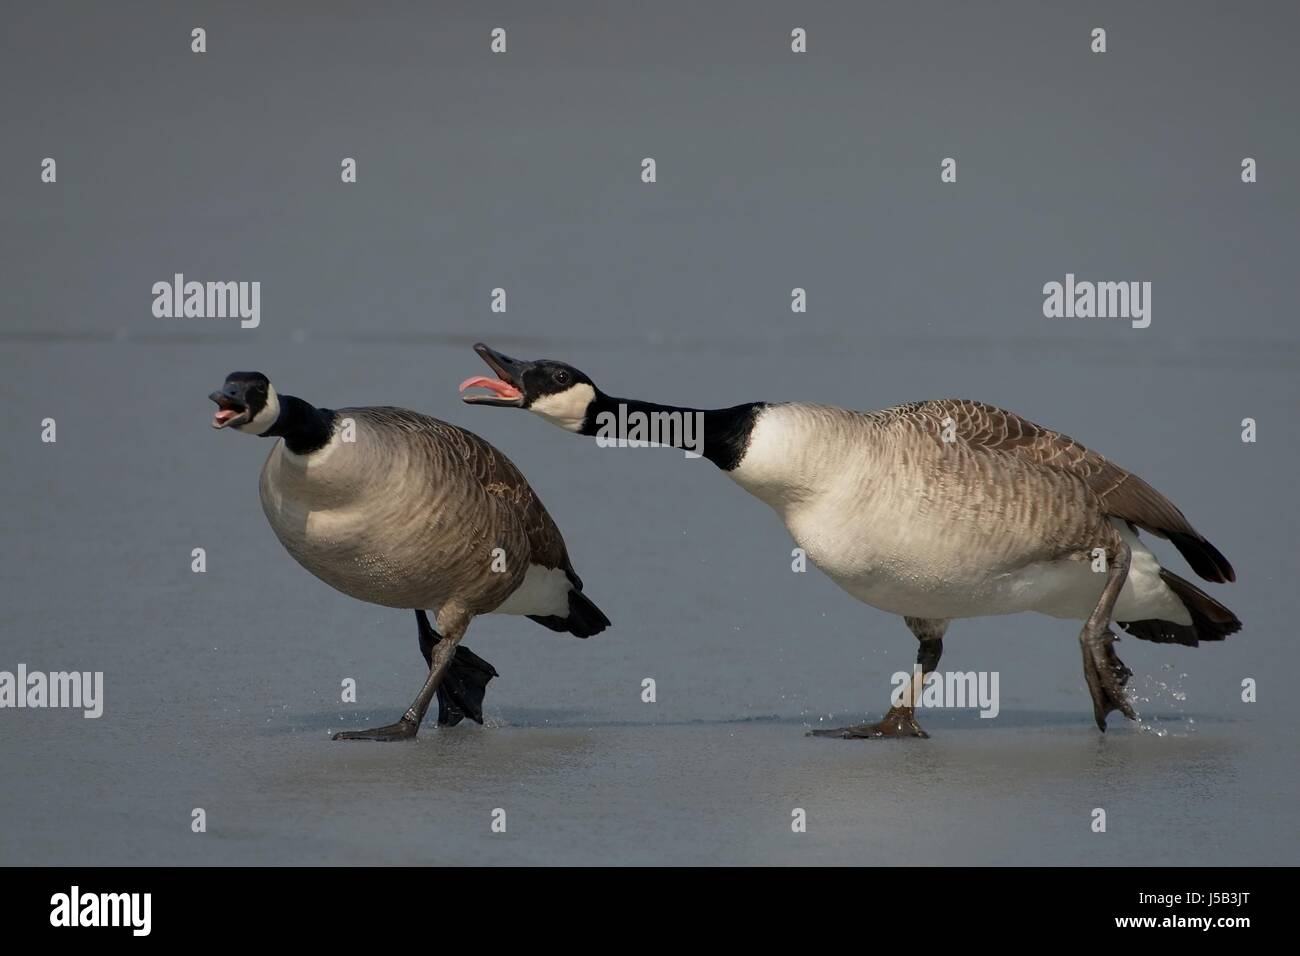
[
  {"x": 494, "y": 473},
  {"x": 1122, "y": 494}
]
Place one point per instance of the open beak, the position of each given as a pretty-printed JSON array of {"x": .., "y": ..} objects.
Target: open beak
[
  {"x": 506, "y": 390},
  {"x": 230, "y": 409}
]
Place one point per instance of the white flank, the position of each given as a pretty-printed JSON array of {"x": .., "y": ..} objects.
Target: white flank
[{"x": 544, "y": 592}]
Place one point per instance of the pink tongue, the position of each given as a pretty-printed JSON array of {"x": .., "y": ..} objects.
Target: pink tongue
[
  {"x": 225, "y": 415},
  {"x": 495, "y": 385}
]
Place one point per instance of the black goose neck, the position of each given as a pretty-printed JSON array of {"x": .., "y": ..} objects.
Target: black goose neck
[
  {"x": 304, "y": 427},
  {"x": 724, "y": 432}
]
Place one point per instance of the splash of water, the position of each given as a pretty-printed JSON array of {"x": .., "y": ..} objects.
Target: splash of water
[{"x": 1166, "y": 690}]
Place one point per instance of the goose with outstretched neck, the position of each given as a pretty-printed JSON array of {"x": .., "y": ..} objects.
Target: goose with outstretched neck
[{"x": 933, "y": 511}]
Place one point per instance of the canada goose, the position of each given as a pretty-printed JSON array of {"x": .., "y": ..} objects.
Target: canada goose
[
  {"x": 934, "y": 511},
  {"x": 399, "y": 509}
]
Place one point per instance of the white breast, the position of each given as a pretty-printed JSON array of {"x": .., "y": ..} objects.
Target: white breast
[{"x": 367, "y": 518}]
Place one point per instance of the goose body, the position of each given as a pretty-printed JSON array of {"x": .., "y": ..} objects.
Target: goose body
[
  {"x": 920, "y": 527},
  {"x": 402, "y": 510},
  {"x": 409, "y": 514},
  {"x": 935, "y": 511}
]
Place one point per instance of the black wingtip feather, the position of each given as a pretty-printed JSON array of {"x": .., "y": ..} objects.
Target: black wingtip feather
[{"x": 1206, "y": 560}]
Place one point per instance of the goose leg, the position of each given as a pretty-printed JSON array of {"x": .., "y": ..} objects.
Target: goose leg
[
  {"x": 901, "y": 719},
  {"x": 452, "y": 622},
  {"x": 1105, "y": 673},
  {"x": 460, "y": 694}
]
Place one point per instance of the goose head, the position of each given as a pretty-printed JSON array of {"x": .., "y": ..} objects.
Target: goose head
[
  {"x": 557, "y": 392},
  {"x": 246, "y": 402}
]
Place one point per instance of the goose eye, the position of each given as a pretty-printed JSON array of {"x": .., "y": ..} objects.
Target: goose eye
[{"x": 562, "y": 377}]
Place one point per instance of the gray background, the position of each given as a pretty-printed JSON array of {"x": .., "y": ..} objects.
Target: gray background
[{"x": 775, "y": 170}]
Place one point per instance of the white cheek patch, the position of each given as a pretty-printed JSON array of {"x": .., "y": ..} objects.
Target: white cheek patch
[
  {"x": 266, "y": 417},
  {"x": 568, "y": 409}
]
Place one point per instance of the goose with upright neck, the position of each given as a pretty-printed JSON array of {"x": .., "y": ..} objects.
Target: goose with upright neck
[
  {"x": 935, "y": 511},
  {"x": 402, "y": 510}
]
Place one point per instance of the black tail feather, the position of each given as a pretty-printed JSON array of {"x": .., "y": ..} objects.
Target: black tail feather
[
  {"x": 1211, "y": 621},
  {"x": 584, "y": 620}
]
